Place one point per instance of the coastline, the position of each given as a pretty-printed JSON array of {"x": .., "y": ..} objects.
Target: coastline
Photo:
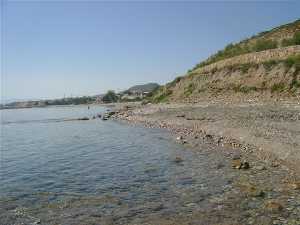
[
  {"x": 268, "y": 131},
  {"x": 264, "y": 188},
  {"x": 212, "y": 181}
]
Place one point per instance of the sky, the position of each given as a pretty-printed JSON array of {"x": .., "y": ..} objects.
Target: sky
[{"x": 52, "y": 49}]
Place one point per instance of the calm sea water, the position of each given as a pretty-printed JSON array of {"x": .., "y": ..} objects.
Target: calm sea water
[{"x": 94, "y": 172}]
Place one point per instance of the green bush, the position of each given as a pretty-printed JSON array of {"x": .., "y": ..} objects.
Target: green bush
[
  {"x": 232, "y": 50},
  {"x": 294, "y": 84},
  {"x": 174, "y": 82},
  {"x": 287, "y": 42},
  {"x": 110, "y": 97},
  {"x": 293, "y": 61},
  {"x": 228, "y": 52},
  {"x": 278, "y": 87},
  {"x": 269, "y": 64},
  {"x": 262, "y": 45},
  {"x": 245, "y": 46},
  {"x": 295, "y": 40},
  {"x": 244, "y": 89},
  {"x": 189, "y": 89},
  {"x": 245, "y": 67},
  {"x": 162, "y": 96}
]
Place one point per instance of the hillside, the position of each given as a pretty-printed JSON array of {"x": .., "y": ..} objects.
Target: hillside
[
  {"x": 149, "y": 87},
  {"x": 262, "y": 67}
]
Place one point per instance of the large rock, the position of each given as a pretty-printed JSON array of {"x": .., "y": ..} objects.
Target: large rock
[{"x": 273, "y": 206}]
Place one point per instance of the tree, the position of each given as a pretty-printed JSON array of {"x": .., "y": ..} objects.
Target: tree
[{"x": 109, "y": 97}]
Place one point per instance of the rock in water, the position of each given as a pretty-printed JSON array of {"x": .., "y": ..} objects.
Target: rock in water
[
  {"x": 179, "y": 138},
  {"x": 83, "y": 118},
  {"x": 178, "y": 159}
]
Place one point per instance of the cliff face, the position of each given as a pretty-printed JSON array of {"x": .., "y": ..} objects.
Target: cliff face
[
  {"x": 254, "y": 58},
  {"x": 272, "y": 73}
]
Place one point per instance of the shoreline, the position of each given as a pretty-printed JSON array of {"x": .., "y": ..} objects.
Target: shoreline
[
  {"x": 208, "y": 180},
  {"x": 199, "y": 122},
  {"x": 263, "y": 188}
]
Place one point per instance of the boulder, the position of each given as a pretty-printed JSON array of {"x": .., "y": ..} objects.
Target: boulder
[
  {"x": 239, "y": 164},
  {"x": 295, "y": 185},
  {"x": 251, "y": 190},
  {"x": 273, "y": 206}
]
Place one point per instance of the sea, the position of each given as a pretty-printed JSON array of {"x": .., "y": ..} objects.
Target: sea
[{"x": 58, "y": 170}]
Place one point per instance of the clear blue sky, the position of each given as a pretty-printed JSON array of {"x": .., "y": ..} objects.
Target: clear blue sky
[{"x": 83, "y": 48}]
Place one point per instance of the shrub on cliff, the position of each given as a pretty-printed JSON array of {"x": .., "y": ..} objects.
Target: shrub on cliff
[
  {"x": 292, "y": 41},
  {"x": 293, "y": 61},
  {"x": 262, "y": 45},
  {"x": 277, "y": 87}
]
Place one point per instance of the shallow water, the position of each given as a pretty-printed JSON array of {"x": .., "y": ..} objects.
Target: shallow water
[{"x": 95, "y": 172}]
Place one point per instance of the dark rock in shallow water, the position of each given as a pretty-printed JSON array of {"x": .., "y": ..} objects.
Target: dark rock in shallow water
[
  {"x": 178, "y": 159},
  {"x": 111, "y": 113},
  {"x": 83, "y": 118},
  {"x": 179, "y": 138}
]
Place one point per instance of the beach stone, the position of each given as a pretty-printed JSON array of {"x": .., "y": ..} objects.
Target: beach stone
[
  {"x": 245, "y": 165},
  {"x": 220, "y": 140},
  {"x": 275, "y": 164},
  {"x": 236, "y": 164},
  {"x": 219, "y": 165},
  {"x": 236, "y": 156},
  {"x": 260, "y": 167},
  {"x": 38, "y": 221},
  {"x": 183, "y": 142},
  {"x": 191, "y": 205},
  {"x": 273, "y": 206},
  {"x": 239, "y": 164},
  {"x": 209, "y": 137},
  {"x": 179, "y": 138},
  {"x": 251, "y": 190},
  {"x": 178, "y": 159},
  {"x": 295, "y": 185},
  {"x": 264, "y": 220}
]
